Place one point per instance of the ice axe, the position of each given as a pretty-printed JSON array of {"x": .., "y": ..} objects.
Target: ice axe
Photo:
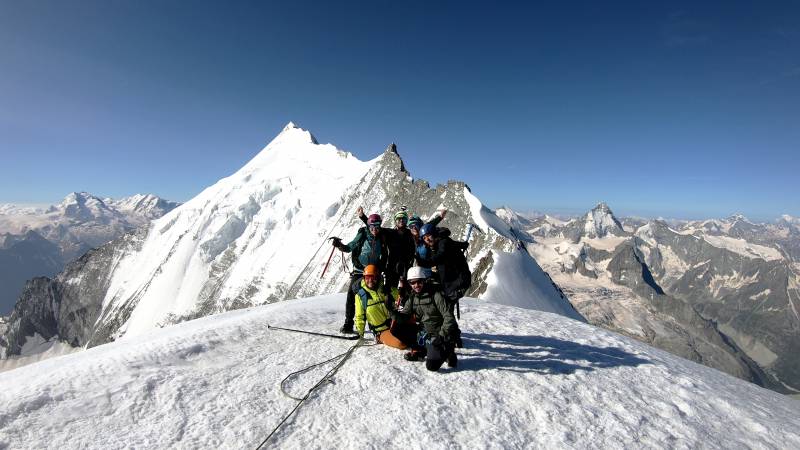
[
  {"x": 333, "y": 249},
  {"x": 470, "y": 227}
]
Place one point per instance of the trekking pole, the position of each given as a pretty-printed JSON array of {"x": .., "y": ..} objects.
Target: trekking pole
[
  {"x": 314, "y": 333},
  {"x": 333, "y": 248}
]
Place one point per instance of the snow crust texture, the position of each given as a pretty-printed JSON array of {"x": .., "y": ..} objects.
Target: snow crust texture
[{"x": 526, "y": 379}]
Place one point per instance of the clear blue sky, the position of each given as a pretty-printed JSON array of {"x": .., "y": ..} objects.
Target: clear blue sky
[{"x": 658, "y": 108}]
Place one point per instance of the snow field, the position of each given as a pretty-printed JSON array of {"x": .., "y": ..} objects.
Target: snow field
[{"x": 527, "y": 379}]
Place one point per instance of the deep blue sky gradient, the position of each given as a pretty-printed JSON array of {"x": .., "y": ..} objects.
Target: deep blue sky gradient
[{"x": 658, "y": 108}]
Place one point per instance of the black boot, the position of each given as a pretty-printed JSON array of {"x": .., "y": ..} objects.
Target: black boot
[
  {"x": 347, "y": 328},
  {"x": 415, "y": 354},
  {"x": 452, "y": 360}
]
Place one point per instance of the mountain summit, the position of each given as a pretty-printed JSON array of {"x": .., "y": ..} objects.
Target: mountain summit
[
  {"x": 260, "y": 236},
  {"x": 600, "y": 222}
]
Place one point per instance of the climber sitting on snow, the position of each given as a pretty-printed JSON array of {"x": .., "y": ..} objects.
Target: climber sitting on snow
[
  {"x": 426, "y": 302},
  {"x": 371, "y": 309},
  {"x": 368, "y": 247}
]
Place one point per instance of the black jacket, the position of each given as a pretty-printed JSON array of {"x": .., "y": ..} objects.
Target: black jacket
[
  {"x": 451, "y": 265},
  {"x": 401, "y": 248}
]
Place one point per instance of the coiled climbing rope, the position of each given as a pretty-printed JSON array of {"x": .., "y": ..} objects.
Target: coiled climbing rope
[{"x": 343, "y": 357}]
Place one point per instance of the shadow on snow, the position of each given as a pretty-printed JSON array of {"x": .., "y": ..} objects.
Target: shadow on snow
[{"x": 539, "y": 354}]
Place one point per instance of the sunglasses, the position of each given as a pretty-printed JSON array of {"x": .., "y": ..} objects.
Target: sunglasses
[
  {"x": 374, "y": 226},
  {"x": 416, "y": 282},
  {"x": 369, "y": 277}
]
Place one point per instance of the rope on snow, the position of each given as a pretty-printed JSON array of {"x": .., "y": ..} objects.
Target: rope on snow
[{"x": 327, "y": 378}]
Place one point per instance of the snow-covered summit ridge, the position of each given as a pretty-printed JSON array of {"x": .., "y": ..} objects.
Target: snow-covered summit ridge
[
  {"x": 298, "y": 142},
  {"x": 600, "y": 222},
  {"x": 539, "y": 379},
  {"x": 83, "y": 206},
  {"x": 260, "y": 236}
]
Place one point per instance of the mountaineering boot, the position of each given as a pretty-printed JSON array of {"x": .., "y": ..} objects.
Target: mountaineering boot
[
  {"x": 347, "y": 328},
  {"x": 452, "y": 360},
  {"x": 414, "y": 355}
]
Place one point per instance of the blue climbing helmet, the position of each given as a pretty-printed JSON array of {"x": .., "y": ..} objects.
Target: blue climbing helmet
[{"x": 427, "y": 229}]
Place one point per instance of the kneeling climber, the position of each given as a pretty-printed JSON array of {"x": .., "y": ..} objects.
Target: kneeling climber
[{"x": 441, "y": 331}]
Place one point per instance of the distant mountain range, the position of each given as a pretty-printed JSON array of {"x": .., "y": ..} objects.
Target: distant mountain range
[
  {"x": 40, "y": 241},
  {"x": 724, "y": 293}
]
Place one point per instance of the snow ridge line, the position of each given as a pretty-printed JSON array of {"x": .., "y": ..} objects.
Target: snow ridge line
[{"x": 327, "y": 378}]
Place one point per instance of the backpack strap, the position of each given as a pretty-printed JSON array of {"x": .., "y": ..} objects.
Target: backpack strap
[{"x": 362, "y": 293}]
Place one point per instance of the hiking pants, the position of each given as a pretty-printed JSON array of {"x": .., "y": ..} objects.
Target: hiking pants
[
  {"x": 350, "y": 303},
  {"x": 405, "y": 332},
  {"x": 436, "y": 354},
  {"x": 386, "y": 337}
]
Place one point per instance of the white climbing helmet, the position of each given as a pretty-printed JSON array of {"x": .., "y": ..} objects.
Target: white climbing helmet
[{"x": 416, "y": 273}]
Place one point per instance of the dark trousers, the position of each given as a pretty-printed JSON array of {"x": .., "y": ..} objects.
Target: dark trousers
[
  {"x": 452, "y": 302},
  {"x": 350, "y": 304},
  {"x": 436, "y": 354},
  {"x": 406, "y": 332}
]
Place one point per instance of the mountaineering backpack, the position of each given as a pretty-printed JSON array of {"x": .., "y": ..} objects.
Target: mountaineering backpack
[{"x": 373, "y": 251}]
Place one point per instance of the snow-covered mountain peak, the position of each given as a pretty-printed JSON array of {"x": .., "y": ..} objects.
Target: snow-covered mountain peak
[
  {"x": 602, "y": 207},
  {"x": 292, "y": 129},
  {"x": 600, "y": 222},
  {"x": 83, "y": 206},
  {"x": 295, "y": 148},
  {"x": 732, "y": 219},
  {"x": 790, "y": 219},
  {"x": 82, "y": 199},
  {"x": 142, "y": 207}
]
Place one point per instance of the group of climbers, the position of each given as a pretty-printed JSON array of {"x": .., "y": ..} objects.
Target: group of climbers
[{"x": 405, "y": 284}]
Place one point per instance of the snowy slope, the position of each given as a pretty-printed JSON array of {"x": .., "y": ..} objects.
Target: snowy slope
[
  {"x": 526, "y": 379},
  {"x": 267, "y": 215}
]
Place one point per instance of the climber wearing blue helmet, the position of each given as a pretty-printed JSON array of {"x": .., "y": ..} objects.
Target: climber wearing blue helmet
[
  {"x": 447, "y": 256},
  {"x": 415, "y": 224}
]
